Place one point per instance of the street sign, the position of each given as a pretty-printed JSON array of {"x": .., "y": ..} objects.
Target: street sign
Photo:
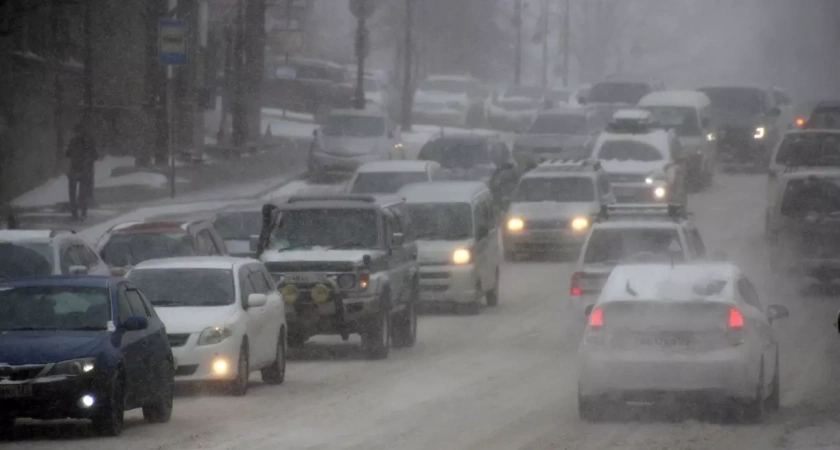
[
  {"x": 362, "y": 9},
  {"x": 172, "y": 42}
]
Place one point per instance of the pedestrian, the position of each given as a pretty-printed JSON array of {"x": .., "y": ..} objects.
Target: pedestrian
[{"x": 83, "y": 155}]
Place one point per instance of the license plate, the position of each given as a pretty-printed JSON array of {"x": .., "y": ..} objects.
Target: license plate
[
  {"x": 16, "y": 391},
  {"x": 305, "y": 278},
  {"x": 667, "y": 341}
]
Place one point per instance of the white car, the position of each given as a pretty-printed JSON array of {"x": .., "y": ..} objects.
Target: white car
[
  {"x": 65, "y": 251},
  {"x": 691, "y": 332},
  {"x": 642, "y": 159},
  {"x": 455, "y": 224},
  {"x": 444, "y": 100},
  {"x": 387, "y": 177},
  {"x": 516, "y": 108},
  {"x": 223, "y": 315}
]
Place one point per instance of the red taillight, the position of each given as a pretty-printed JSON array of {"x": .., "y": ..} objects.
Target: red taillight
[
  {"x": 596, "y": 318},
  {"x": 575, "y": 289},
  {"x": 736, "y": 319}
]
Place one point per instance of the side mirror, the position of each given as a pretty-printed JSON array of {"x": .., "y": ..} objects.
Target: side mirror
[
  {"x": 588, "y": 310},
  {"x": 135, "y": 323},
  {"x": 366, "y": 260},
  {"x": 397, "y": 239},
  {"x": 257, "y": 300},
  {"x": 77, "y": 270},
  {"x": 775, "y": 312}
]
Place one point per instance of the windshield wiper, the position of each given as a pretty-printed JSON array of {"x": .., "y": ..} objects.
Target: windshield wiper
[{"x": 350, "y": 244}]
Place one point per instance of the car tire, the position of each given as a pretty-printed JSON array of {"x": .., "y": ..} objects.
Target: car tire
[
  {"x": 239, "y": 385},
  {"x": 376, "y": 337},
  {"x": 276, "y": 372},
  {"x": 774, "y": 401},
  {"x": 590, "y": 409},
  {"x": 404, "y": 331},
  {"x": 160, "y": 410},
  {"x": 296, "y": 340},
  {"x": 492, "y": 296},
  {"x": 753, "y": 410},
  {"x": 108, "y": 420}
]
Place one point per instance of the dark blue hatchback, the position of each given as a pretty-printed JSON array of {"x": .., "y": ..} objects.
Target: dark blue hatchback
[{"x": 82, "y": 347}]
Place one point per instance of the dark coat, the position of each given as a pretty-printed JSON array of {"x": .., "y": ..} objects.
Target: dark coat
[{"x": 82, "y": 153}]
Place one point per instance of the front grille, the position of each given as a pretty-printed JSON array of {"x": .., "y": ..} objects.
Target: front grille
[
  {"x": 627, "y": 178},
  {"x": 185, "y": 371},
  {"x": 20, "y": 373},
  {"x": 550, "y": 224},
  {"x": 177, "y": 340},
  {"x": 736, "y": 138},
  {"x": 310, "y": 266}
]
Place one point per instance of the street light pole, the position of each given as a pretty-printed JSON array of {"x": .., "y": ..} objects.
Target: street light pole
[
  {"x": 545, "y": 14},
  {"x": 88, "y": 60},
  {"x": 407, "y": 91},
  {"x": 567, "y": 36},
  {"x": 361, "y": 41},
  {"x": 517, "y": 21}
]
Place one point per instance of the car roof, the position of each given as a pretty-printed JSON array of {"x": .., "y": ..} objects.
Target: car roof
[
  {"x": 668, "y": 282},
  {"x": 337, "y": 201},
  {"x": 194, "y": 262},
  {"x": 756, "y": 87},
  {"x": 676, "y": 98},
  {"x": 442, "y": 191},
  {"x": 464, "y": 137},
  {"x": 452, "y": 77},
  {"x": 152, "y": 226},
  {"x": 63, "y": 280},
  {"x": 565, "y": 166},
  {"x": 394, "y": 166},
  {"x": 795, "y": 173}
]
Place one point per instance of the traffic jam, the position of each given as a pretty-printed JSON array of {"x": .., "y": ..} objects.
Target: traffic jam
[{"x": 601, "y": 181}]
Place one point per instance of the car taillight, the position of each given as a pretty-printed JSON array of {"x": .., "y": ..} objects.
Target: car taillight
[
  {"x": 736, "y": 319},
  {"x": 735, "y": 327},
  {"x": 575, "y": 290},
  {"x": 595, "y": 331},
  {"x": 596, "y": 318},
  {"x": 364, "y": 280}
]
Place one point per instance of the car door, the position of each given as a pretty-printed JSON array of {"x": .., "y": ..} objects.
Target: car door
[
  {"x": 480, "y": 251},
  {"x": 269, "y": 330},
  {"x": 757, "y": 317},
  {"x": 132, "y": 344},
  {"x": 255, "y": 320},
  {"x": 399, "y": 257}
]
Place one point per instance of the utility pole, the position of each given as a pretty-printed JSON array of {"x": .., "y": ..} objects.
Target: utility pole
[
  {"x": 88, "y": 60},
  {"x": 361, "y": 41},
  {"x": 407, "y": 89},
  {"x": 517, "y": 22},
  {"x": 545, "y": 13},
  {"x": 238, "y": 104},
  {"x": 567, "y": 36}
]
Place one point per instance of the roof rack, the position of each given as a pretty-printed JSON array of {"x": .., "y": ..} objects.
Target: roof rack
[
  {"x": 54, "y": 233},
  {"x": 652, "y": 210},
  {"x": 333, "y": 197}
]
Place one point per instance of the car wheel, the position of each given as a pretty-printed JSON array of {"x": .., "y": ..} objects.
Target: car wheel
[
  {"x": 108, "y": 421},
  {"x": 276, "y": 372},
  {"x": 589, "y": 409},
  {"x": 774, "y": 401},
  {"x": 296, "y": 340},
  {"x": 160, "y": 410},
  {"x": 404, "y": 333},
  {"x": 376, "y": 338},
  {"x": 753, "y": 410},
  {"x": 492, "y": 295},
  {"x": 239, "y": 386}
]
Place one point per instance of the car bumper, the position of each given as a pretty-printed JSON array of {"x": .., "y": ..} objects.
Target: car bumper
[
  {"x": 613, "y": 373},
  {"x": 56, "y": 399},
  {"x": 448, "y": 284},
  {"x": 542, "y": 241},
  {"x": 339, "y": 313},
  {"x": 441, "y": 117},
  {"x": 195, "y": 363}
]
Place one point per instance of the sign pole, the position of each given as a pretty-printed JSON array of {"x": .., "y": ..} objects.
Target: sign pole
[
  {"x": 172, "y": 51},
  {"x": 360, "y": 64},
  {"x": 170, "y": 93}
]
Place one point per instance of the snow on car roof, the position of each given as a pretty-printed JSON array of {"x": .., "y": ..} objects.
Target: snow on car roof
[
  {"x": 394, "y": 166},
  {"x": 151, "y": 226},
  {"x": 694, "y": 99},
  {"x": 193, "y": 262},
  {"x": 442, "y": 191},
  {"x": 632, "y": 114},
  {"x": 656, "y": 137},
  {"x": 669, "y": 283},
  {"x": 24, "y": 235}
]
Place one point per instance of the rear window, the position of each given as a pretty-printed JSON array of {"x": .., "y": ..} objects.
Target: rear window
[
  {"x": 825, "y": 117},
  {"x": 809, "y": 149},
  {"x": 456, "y": 153},
  {"x": 612, "y": 92},
  {"x": 559, "y": 124},
  {"x": 386, "y": 182},
  {"x": 682, "y": 119},
  {"x": 629, "y": 151},
  {"x": 128, "y": 249},
  {"x": 560, "y": 189},
  {"x": 612, "y": 246}
]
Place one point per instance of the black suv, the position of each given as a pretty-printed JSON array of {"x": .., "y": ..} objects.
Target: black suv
[{"x": 749, "y": 123}]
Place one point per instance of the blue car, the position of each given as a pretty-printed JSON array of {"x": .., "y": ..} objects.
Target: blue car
[{"x": 83, "y": 348}]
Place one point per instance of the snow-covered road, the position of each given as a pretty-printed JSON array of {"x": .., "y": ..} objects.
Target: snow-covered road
[{"x": 503, "y": 380}]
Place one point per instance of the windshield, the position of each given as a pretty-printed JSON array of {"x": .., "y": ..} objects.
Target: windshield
[
  {"x": 629, "y": 150},
  {"x": 559, "y": 124},
  {"x": 452, "y": 153},
  {"x": 531, "y": 93},
  {"x": 128, "y": 249},
  {"x": 612, "y": 246},
  {"x": 610, "y": 92},
  {"x": 809, "y": 149},
  {"x": 682, "y": 119},
  {"x": 449, "y": 86},
  {"x": 441, "y": 221},
  {"x": 555, "y": 189},
  {"x": 741, "y": 101},
  {"x": 54, "y": 308},
  {"x": 238, "y": 226},
  {"x": 185, "y": 287},
  {"x": 354, "y": 126},
  {"x": 349, "y": 228},
  {"x": 385, "y": 182}
]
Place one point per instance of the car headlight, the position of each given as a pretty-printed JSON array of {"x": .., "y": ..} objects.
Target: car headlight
[
  {"x": 346, "y": 280},
  {"x": 711, "y": 137},
  {"x": 73, "y": 367},
  {"x": 760, "y": 132},
  {"x": 580, "y": 223},
  {"x": 214, "y": 335},
  {"x": 659, "y": 192},
  {"x": 290, "y": 293},
  {"x": 320, "y": 293},
  {"x": 398, "y": 145},
  {"x": 461, "y": 256},
  {"x": 649, "y": 180},
  {"x": 515, "y": 224}
]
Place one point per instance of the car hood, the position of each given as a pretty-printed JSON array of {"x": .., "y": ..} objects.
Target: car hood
[
  {"x": 550, "y": 140},
  {"x": 346, "y": 145},
  {"x": 194, "y": 319},
  {"x": 319, "y": 254},
  {"x": 41, "y": 347},
  {"x": 635, "y": 167},
  {"x": 439, "y": 252},
  {"x": 551, "y": 210}
]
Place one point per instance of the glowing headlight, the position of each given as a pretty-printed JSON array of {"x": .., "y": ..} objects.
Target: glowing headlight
[
  {"x": 73, "y": 367},
  {"x": 580, "y": 223},
  {"x": 320, "y": 293},
  {"x": 346, "y": 280},
  {"x": 515, "y": 224},
  {"x": 711, "y": 137},
  {"x": 659, "y": 192},
  {"x": 220, "y": 366},
  {"x": 461, "y": 256},
  {"x": 398, "y": 145},
  {"x": 214, "y": 335},
  {"x": 649, "y": 180},
  {"x": 760, "y": 132},
  {"x": 290, "y": 293}
]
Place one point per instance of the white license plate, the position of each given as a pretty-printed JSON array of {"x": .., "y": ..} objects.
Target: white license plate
[
  {"x": 16, "y": 391},
  {"x": 305, "y": 278}
]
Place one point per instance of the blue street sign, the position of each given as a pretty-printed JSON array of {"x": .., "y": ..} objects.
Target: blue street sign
[{"x": 172, "y": 42}]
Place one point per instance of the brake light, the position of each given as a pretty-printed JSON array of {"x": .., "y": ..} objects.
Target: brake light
[
  {"x": 596, "y": 318},
  {"x": 575, "y": 290},
  {"x": 736, "y": 319},
  {"x": 364, "y": 280}
]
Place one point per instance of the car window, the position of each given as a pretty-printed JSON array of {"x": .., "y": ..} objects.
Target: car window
[
  {"x": 628, "y": 150},
  {"x": 394, "y": 221},
  {"x": 260, "y": 269},
  {"x": 407, "y": 225},
  {"x": 70, "y": 257},
  {"x": 258, "y": 282},
  {"x": 441, "y": 221},
  {"x": 146, "y": 303},
  {"x": 206, "y": 244},
  {"x": 136, "y": 304},
  {"x": 749, "y": 294},
  {"x": 615, "y": 246}
]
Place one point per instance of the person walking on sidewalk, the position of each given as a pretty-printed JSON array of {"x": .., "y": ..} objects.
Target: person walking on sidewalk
[{"x": 82, "y": 154}]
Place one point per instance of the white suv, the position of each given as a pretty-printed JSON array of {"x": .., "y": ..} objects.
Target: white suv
[{"x": 67, "y": 252}]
